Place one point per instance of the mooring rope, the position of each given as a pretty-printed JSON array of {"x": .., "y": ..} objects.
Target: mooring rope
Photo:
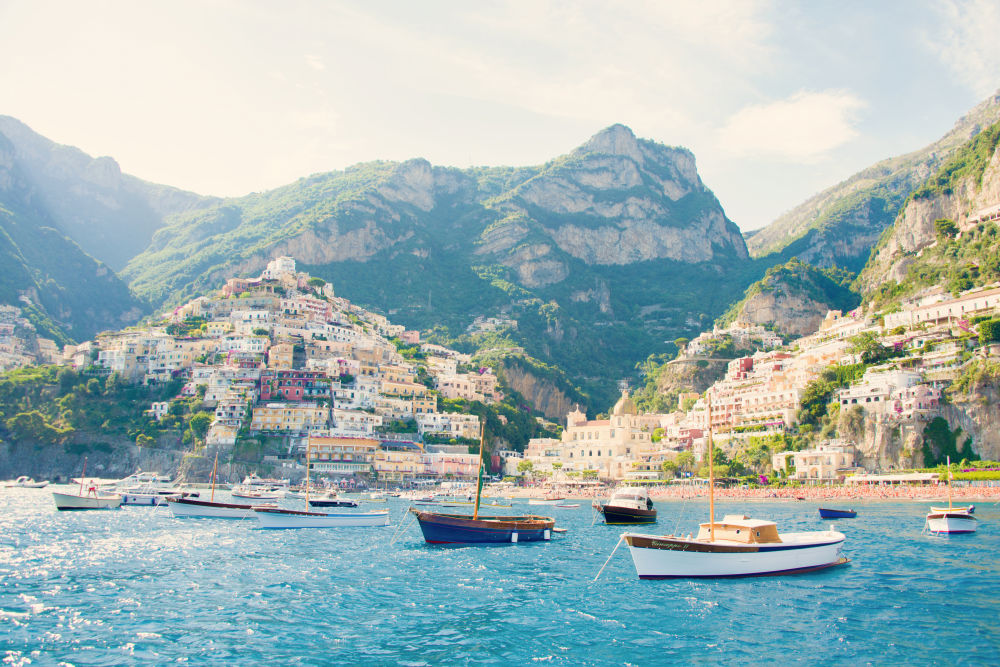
[{"x": 618, "y": 544}]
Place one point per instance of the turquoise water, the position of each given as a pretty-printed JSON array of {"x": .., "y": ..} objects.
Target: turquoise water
[{"x": 137, "y": 586}]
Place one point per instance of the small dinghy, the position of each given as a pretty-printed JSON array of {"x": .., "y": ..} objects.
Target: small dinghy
[{"x": 827, "y": 513}]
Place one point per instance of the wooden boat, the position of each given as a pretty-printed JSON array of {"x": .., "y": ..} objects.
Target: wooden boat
[
  {"x": 86, "y": 500},
  {"x": 274, "y": 517},
  {"x": 738, "y": 546},
  {"x": 209, "y": 509},
  {"x": 827, "y": 513},
  {"x": 628, "y": 505},
  {"x": 439, "y": 528},
  {"x": 951, "y": 520},
  {"x": 565, "y": 506},
  {"x": 25, "y": 482}
]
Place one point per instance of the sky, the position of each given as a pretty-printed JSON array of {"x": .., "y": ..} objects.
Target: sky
[{"x": 777, "y": 100}]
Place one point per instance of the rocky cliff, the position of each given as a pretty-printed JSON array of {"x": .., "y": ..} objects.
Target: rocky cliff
[
  {"x": 838, "y": 226},
  {"x": 972, "y": 183},
  {"x": 543, "y": 395}
]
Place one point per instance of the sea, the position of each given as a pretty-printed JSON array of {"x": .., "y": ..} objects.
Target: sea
[{"x": 136, "y": 586}]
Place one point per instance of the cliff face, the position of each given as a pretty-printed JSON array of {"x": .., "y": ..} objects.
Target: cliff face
[
  {"x": 543, "y": 395},
  {"x": 914, "y": 232},
  {"x": 790, "y": 313}
]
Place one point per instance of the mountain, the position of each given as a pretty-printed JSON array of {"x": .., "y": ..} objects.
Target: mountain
[
  {"x": 594, "y": 257},
  {"x": 945, "y": 234},
  {"x": 47, "y": 273},
  {"x": 793, "y": 298},
  {"x": 111, "y": 215},
  {"x": 838, "y": 226}
]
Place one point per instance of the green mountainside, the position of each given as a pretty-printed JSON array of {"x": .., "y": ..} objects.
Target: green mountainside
[
  {"x": 111, "y": 215},
  {"x": 838, "y": 226},
  {"x": 66, "y": 289},
  {"x": 598, "y": 256},
  {"x": 793, "y": 298},
  {"x": 939, "y": 237}
]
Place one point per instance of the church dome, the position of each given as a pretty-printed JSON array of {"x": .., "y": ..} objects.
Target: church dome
[{"x": 624, "y": 406}]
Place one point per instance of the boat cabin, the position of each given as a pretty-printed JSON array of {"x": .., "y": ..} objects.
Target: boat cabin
[
  {"x": 635, "y": 497},
  {"x": 740, "y": 528}
]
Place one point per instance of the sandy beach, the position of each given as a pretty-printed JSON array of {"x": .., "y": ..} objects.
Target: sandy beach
[{"x": 935, "y": 492}]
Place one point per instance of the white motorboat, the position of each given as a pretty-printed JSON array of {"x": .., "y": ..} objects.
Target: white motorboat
[
  {"x": 150, "y": 496},
  {"x": 548, "y": 500},
  {"x": 25, "y": 482},
  {"x": 138, "y": 479},
  {"x": 87, "y": 500},
  {"x": 273, "y": 517},
  {"x": 738, "y": 546},
  {"x": 951, "y": 520},
  {"x": 251, "y": 494}
]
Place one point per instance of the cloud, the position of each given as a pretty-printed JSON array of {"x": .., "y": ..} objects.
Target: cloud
[
  {"x": 316, "y": 62},
  {"x": 965, "y": 39},
  {"x": 803, "y": 128}
]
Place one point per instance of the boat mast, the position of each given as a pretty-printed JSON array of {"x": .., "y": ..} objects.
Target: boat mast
[
  {"x": 307, "y": 476},
  {"x": 479, "y": 482},
  {"x": 83, "y": 477},
  {"x": 949, "y": 482},
  {"x": 711, "y": 475},
  {"x": 215, "y": 467}
]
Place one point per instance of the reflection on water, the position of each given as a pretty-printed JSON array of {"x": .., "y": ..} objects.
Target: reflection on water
[{"x": 136, "y": 586}]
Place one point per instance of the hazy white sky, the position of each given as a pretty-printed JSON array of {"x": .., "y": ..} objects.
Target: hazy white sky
[{"x": 777, "y": 100}]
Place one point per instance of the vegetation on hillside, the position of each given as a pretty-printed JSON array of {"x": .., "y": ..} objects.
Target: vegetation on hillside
[
  {"x": 830, "y": 286},
  {"x": 969, "y": 161}
]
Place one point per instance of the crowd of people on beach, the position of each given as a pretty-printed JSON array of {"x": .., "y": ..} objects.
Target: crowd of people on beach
[{"x": 818, "y": 492}]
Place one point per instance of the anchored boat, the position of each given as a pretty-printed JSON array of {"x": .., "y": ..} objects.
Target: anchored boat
[
  {"x": 208, "y": 509},
  {"x": 439, "y": 528},
  {"x": 89, "y": 499},
  {"x": 628, "y": 505},
  {"x": 738, "y": 546},
  {"x": 827, "y": 513},
  {"x": 951, "y": 520}
]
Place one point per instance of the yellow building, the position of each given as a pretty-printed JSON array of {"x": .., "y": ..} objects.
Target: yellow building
[
  {"x": 342, "y": 455},
  {"x": 399, "y": 462},
  {"x": 289, "y": 417}
]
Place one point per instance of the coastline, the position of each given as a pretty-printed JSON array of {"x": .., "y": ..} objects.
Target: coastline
[{"x": 935, "y": 493}]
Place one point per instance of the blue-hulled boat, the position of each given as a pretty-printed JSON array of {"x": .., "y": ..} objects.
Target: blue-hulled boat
[
  {"x": 439, "y": 528},
  {"x": 827, "y": 513}
]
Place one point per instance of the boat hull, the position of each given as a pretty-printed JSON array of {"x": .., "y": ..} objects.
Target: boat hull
[
  {"x": 659, "y": 557},
  {"x": 545, "y": 501},
  {"x": 204, "y": 509},
  {"x": 463, "y": 529},
  {"x": 951, "y": 523},
  {"x": 826, "y": 513},
  {"x": 278, "y": 518},
  {"x": 616, "y": 515},
  {"x": 69, "y": 501}
]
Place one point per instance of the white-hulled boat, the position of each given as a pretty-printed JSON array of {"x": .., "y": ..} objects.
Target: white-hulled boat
[
  {"x": 738, "y": 546},
  {"x": 547, "y": 500},
  {"x": 25, "y": 482},
  {"x": 88, "y": 497},
  {"x": 90, "y": 500},
  {"x": 951, "y": 520},
  {"x": 256, "y": 495},
  {"x": 273, "y": 517}
]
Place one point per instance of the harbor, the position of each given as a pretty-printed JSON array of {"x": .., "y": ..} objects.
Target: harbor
[{"x": 137, "y": 585}]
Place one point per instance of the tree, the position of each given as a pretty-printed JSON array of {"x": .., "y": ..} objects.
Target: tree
[
  {"x": 316, "y": 282},
  {"x": 681, "y": 342},
  {"x": 669, "y": 469},
  {"x": 685, "y": 461},
  {"x": 143, "y": 440},
  {"x": 945, "y": 228},
  {"x": 261, "y": 332},
  {"x": 525, "y": 466},
  {"x": 199, "y": 425},
  {"x": 589, "y": 474},
  {"x": 869, "y": 347}
]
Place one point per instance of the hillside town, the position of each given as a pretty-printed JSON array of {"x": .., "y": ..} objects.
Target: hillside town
[
  {"x": 281, "y": 356},
  {"x": 927, "y": 341}
]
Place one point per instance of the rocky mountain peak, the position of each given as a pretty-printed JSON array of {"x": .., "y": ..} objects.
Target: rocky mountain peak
[{"x": 615, "y": 140}]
